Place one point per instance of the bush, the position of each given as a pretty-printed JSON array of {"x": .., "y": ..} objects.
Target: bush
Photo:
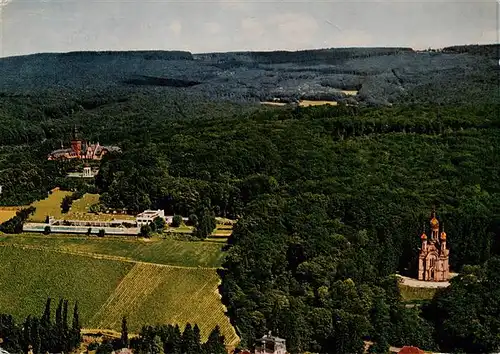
[
  {"x": 176, "y": 221},
  {"x": 46, "y": 230},
  {"x": 159, "y": 224},
  {"x": 146, "y": 231},
  {"x": 101, "y": 233},
  {"x": 93, "y": 346},
  {"x": 193, "y": 220},
  {"x": 89, "y": 231}
]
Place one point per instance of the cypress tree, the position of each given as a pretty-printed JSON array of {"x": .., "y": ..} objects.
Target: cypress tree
[
  {"x": 46, "y": 315},
  {"x": 188, "y": 344},
  {"x": 27, "y": 339},
  {"x": 215, "y": 343},
  {"x": 124, "y": 337},
  {"x": 46, "y": 328},
  {"x": 75, "y": 327},
  {"x": 35, "y": 336},
  {"x": 66, "y": 341},
  {"x": 197, "y": 338},
  {"x": 176, "y": 340},
  {"x": 58, "y": 328}
]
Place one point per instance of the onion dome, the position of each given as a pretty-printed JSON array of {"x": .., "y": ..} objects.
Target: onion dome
[
  {"x": 423, "y": 237},
  {"x": 443, "y": 235},
  {"x": 434, "y": 223}
]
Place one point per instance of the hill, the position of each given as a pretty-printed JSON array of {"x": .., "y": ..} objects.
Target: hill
[
  {"x": 113, "y": 278},
  {"x": 382, "y": 75}
]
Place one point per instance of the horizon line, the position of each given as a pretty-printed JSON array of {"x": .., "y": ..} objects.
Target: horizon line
[{"x": 416, "y": 49}]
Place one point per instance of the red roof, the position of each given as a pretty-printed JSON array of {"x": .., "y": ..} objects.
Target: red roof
[{"x": 411, "y": 350}]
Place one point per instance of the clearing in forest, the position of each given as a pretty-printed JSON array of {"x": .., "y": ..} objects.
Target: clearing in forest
[
  {"x": 49, "y": 206},
  {"x": 80, "y": 210},
  {"x": 6, "y": 214}
]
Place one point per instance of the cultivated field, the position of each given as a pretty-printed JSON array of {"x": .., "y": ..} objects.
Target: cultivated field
[
  {"x": 28, "y": 277},
  {"x": 110, "y": 279},
  {"x": 172, "y": 252}
]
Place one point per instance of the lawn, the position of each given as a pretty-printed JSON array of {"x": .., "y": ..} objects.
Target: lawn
[
  {"x": 410, "y": 293},
  {"x": 49, "y": 206},
  {"x": 106, "y": 290},
  {"x": 80, "y": 210},
  {"x": 166, "y": 251},
  {"x": 6, "y": 215}
]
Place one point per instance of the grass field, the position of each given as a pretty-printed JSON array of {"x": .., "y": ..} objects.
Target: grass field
[
  {"x": 410, "y": 293},
  {"x": 110, "y": 279},
  {"x": 49, "y": 206},
  {"x": 80, "y": 210},
  {"x": 6, "y": 215}
]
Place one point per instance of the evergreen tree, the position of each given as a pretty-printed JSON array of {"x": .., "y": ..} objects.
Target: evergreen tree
[
  {"x": 75, "y": 327},
  {"x": 58, "y": 328},
  {"x": 215, "y": 343},
  {"x": 176, "y": 340},
  {"x": 157, "y": 346},
  {"x": 206, "y": 224},
  {"x": 35, "y": 336},
  {"x": 188, "y": 343},
  {"x": 197, "y": 338},
  {"x": 27, "y": 339},
  {"x": 46, "y": 328},
  {"x": 65, "y": 338},
  {"x": 124, "y": 337},
  {"x": 45, "y": 322}
]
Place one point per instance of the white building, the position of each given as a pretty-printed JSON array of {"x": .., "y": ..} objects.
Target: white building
[
  {"x": 270, "y": 345},
  {"x": 147, "y": 216}
]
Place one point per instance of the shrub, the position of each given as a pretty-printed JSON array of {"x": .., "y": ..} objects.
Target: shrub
[
  {"x": 46, "y": 230},
  {"x": 146, "y": 230},
  {"x": 176, "y": 221},
  {"x": 159, "y": 224},
  {"x": 193, "y": 220},
  {"x": 101, "y": 233}
]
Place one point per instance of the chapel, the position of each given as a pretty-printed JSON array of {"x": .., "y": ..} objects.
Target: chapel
[{"x": 433, "y": 260}]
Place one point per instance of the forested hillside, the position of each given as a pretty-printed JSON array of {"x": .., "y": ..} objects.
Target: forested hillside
[
  {"x": 330, "y": 200},
  {"x": 382, "y": 75}
]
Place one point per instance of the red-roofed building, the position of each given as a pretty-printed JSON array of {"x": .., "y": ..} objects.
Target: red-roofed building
[{"x": 411, "y": 350}]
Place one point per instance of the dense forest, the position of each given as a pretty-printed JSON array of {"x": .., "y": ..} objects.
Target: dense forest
[{"x": 330, "y": 202}]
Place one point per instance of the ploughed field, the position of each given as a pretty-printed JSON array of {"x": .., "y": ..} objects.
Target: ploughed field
[{"x": 159, "y": 281}]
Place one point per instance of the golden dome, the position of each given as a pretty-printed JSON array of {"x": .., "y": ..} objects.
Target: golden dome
[
  {"x": 434, "y": 222},
  {"x": 443, "y": 235},
  {"x": 424, "y": 236}
]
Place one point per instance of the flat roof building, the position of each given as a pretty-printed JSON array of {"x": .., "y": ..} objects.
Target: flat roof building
[{"x": 147, "y": 216}]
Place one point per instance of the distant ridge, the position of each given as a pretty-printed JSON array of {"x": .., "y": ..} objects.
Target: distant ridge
[{"x": 379, "y": 75}]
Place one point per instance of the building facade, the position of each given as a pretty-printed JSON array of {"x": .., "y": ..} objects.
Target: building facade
[
  {"x": 81, "y": 149},
  {"x": 270, "y": 344},
  {"x": 433, "y": 260},
  {"x": 147, "y": 216}
]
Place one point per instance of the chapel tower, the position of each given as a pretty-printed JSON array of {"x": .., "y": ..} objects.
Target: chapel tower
[
  {"x": 433, "y": 259},
  {"x": 76, "y": 142}
]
